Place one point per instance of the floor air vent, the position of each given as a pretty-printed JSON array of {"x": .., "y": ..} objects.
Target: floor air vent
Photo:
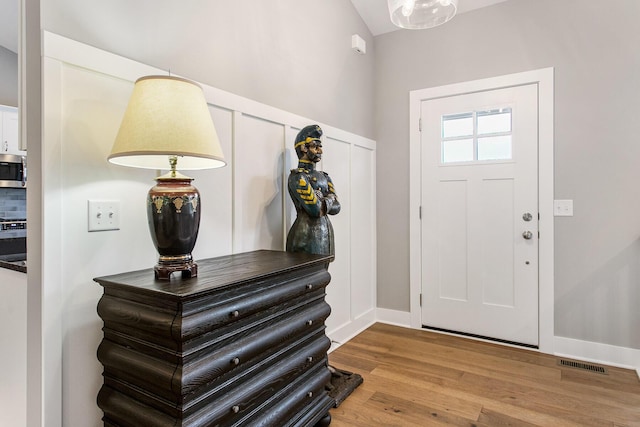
[{"x": 584, "y": 366}]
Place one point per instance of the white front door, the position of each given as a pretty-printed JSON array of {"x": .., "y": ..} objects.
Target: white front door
[{"x": 479, "y": 203}]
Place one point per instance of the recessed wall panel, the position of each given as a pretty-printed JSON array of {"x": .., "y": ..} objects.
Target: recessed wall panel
[
  {"x": 336, "y": 161},
  {"x": 498, "y": 241},
  {"x": 362, "y": 231},
  {"x": 452, "y": 239},
  {"x": 258, "y": 197},
  {"x": 215, "y": 237}
]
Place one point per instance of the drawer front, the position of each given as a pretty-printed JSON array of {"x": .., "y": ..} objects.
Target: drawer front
[
  {"x": 176, "y": 329},
  {"x": 246, "y": 325},
  {"x": 131, "y": 338},
  {"x": 302, "y": 403},
  {"x": 180, "y": 383},
  {"x": 213, "y": 312},
  {"x": 235, "y": 401},
  {"x": 247, "y": 399}
]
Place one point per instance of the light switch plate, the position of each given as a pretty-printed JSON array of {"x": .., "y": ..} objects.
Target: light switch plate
[
  {"x": 563, "y": 208},
  {"x": 104, "y": 215}
]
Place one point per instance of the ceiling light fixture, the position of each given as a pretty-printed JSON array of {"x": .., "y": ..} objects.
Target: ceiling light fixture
[{"x": 421, "y": 14}]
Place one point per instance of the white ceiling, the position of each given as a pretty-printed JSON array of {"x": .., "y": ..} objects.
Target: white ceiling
[{"x": 376, "y": 14}]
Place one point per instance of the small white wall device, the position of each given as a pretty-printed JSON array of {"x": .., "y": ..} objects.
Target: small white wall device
[{"x": 358, "y": 44}]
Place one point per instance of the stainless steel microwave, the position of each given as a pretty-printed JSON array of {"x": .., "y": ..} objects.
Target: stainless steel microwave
[{"x": 13, "y": 171}]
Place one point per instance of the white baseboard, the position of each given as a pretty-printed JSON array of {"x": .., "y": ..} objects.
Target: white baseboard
[
  {"x": 394, "y": 317},
  {"x": 344, "y": 333},
  {"x": 605, "y": 354},
  {"x": 622, "y": 357}
]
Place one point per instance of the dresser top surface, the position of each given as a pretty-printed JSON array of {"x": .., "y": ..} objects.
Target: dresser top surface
[{"x": 216, "y": 273}]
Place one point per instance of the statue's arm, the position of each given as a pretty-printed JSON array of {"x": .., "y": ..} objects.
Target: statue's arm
[
  {"x": 331, "y": 200},
  {"x": 304, "y": 196}
]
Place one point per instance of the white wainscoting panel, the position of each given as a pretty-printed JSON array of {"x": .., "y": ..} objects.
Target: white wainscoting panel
[
  {"x": 259, "y": 156},
  {"x": 336, "y": 162},
  {"x": 215, "y": 238},
  {"x": 246, "y": 206},
  {"x": 363, "y": 236}
]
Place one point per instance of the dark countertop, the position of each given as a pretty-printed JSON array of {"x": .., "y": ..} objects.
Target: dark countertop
[
  {"x": 16, "y": 262},
  {"x": 20, "y": 266}
]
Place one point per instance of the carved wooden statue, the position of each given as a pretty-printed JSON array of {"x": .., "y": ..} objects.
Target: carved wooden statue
[
  {"x": 315, "y": 199},
  {"x": 313, "y": 196}
]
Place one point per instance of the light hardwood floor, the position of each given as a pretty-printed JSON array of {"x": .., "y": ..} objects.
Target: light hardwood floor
[{"x": 421, "y": 378}]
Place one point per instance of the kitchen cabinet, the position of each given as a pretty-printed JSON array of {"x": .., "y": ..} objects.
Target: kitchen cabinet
[
  {"x": 10, "y": 143},
  {"x": 13, "y": 342}
]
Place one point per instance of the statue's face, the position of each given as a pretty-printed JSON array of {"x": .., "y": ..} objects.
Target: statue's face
[{"x": 314, "y": 151}]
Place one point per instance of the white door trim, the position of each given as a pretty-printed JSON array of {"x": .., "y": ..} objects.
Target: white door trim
[{"x": 544, "y": 79}]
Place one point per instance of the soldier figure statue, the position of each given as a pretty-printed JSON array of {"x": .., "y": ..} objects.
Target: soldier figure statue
[
  {"x": 315, "y": 199},
  {"x": 313, "y": 196}
]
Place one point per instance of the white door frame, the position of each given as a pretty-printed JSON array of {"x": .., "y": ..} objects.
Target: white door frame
[{"x": 544, "y": 79}]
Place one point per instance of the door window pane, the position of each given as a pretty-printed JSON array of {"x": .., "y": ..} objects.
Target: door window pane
[
  {"x": 494, "y": 121},
  {"x": 457, "y": 125},
  {"x": 494, "y": 148},
  {"x": 477, "y": 136},
  {"x": 457, "y": 150}
]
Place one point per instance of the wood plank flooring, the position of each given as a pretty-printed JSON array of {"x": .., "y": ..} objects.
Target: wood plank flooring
[{"x": 421, "y": 378}]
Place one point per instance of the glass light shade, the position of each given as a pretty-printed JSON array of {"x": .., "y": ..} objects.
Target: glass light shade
[
  {"x": 167, "y": 116},
  {"x": 421, "y": 14}
]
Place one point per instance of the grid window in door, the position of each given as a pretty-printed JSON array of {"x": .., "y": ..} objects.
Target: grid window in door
[{"x": 477, "y": 136}]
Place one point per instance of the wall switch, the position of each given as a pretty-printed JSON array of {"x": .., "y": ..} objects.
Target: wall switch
[
  {"x": 104, "y": 215},
  {"x": 563, "y": 208}
]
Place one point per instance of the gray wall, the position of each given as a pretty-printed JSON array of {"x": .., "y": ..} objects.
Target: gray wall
[
  {"x": 296, "y": 55},
  {"x": 594, "y": 51},
  {"x": 291, "y": 54},
  {"x": 8, "y": 77}
]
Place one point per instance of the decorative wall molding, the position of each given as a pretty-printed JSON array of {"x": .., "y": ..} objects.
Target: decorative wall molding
[{"x": 246, "y": 205}]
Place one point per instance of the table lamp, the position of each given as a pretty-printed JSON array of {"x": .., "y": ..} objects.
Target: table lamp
[{"x": 167, "y": 124}]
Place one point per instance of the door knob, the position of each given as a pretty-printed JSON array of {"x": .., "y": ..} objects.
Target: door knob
[
  {"x": 527, "y": 216},
  {"x": 527, "y": 235}
]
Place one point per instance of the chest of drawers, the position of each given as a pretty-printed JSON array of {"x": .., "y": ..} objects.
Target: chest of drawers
[{"x": 242, "y": 344}]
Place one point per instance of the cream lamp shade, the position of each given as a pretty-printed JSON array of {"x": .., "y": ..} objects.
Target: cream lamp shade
[{"x": 167, "y": 116}]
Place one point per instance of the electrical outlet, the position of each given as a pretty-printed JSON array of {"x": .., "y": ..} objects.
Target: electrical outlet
[
  {"x": 104, "y": 215},
  {"x": 563, "y": 208}
]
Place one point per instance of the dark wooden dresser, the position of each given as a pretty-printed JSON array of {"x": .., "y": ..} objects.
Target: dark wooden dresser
[{"x": 242, "y": 344}]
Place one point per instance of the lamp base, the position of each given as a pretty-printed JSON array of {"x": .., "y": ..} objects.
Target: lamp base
[
  {"x": 173, "y": 211},
  {"x": 165, "y": 268}
]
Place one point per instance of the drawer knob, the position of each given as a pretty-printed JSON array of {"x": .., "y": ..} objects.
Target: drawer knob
[
  {"x": 235, "y": 409},
  {"x": 309, "y": 286},
  {"x": 235, "y": 361},
  {"x": 309, "y": 322},
  {"x": 310, "y": 394},
  {"x": 234, "y": 313},
  {"x": 309, "y": 359}
]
